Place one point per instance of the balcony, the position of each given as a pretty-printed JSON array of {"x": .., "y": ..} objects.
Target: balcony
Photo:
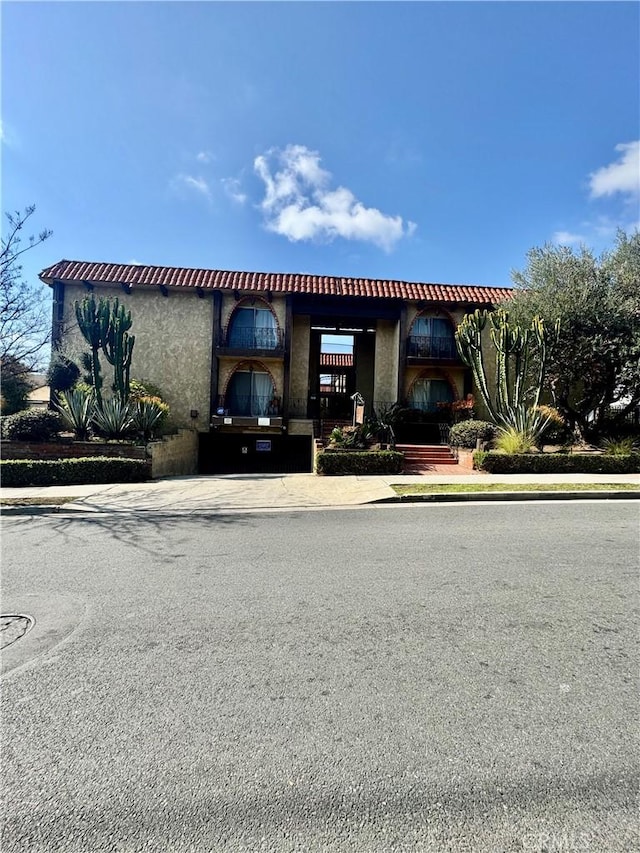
[
  {"x": 265, "y": 343},
  {"x": 429, "y": 348}
]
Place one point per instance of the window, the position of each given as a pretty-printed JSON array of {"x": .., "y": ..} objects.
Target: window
[
  {"x": 432, "y": 337},
  {"x": 253, "y": 327},
  {"x": 427, "y": 393},
  {"x": 251, "y": 393}
]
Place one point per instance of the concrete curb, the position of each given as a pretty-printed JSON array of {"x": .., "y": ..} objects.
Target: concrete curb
[
  {"x": 452, "y": 497},
  {"x": 434, "y": 497}
]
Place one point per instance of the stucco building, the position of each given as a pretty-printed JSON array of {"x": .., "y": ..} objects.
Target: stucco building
[{"x": 244, "y": 358}]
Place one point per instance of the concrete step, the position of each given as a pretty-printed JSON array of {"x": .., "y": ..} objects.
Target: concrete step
[{"x": 421, "y": 457}]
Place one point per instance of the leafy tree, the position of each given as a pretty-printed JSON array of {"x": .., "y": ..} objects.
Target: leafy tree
[
  {"x": 25, "y": 314},
  {"x": 594, "y": 362},
  {"x": 15, "y": 387}
]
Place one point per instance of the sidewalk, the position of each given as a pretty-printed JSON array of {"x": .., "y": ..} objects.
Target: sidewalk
[{"x": 274, "y": 491}]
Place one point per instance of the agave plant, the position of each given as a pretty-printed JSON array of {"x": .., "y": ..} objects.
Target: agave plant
[
  {"x": 147, "y": 414},
  {"x": 113, "y": 418},
  {"x": 77, "y": 408}
]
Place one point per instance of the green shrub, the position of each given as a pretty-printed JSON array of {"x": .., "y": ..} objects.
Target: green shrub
[
  {"x": 139, "y": 388},
  {"x": 62, "y": 373},
  {"x": 32, "y": 425},
  {"x": 557, "y": 463},
  {"x": 478, "y": 459},
  {"x": 512, "y": 440},
  {"x": 556, "y": 430},
  {"x": 619, "y": 446},
  {"x": 73, "y": 472},
  {"x": 467, "y": 433},
  {"x": 351, "y": 437},
  {"x": 359, "y": 462}
]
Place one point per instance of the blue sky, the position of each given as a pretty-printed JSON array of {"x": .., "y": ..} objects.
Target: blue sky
[{"x": 417, "y": 141}]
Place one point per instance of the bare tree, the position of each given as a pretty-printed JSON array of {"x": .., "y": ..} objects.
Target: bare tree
[{"x": 25, "y": 314}]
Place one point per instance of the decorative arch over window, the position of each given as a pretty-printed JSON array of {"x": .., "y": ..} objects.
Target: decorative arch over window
[
  {"x": 432, "y": 335},
  {"x": 253, "y": 325},
  {"x": 429, "y": 391},
  {"x": 251, "y": 391}
]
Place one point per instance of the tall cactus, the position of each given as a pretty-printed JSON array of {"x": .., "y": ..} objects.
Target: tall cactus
[
  {"x": 89, "y": 318},
  {"x": 117, "y": 346},
  {"x": 516, "y": 349},
  {"x": 106, "y": 328}
]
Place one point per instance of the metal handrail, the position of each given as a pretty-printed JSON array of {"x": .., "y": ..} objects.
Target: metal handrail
[
  {"x": 252, "y": 338},
  {"x": 431, "y": 346}
]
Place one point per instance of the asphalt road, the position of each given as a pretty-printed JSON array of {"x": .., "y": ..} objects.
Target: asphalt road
[{"x": 422, "y": 678}]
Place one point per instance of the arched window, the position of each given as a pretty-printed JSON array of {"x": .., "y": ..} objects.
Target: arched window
[
  {"x": 253, "y": 327},
  {"x": 427, "y": 393},
  {"x": 251, "y": 393},
  {"x": 432, "y": 337}
]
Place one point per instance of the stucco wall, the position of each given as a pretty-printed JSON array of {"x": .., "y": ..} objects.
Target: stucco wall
[
  {"x": 385, "y": 389},
  {"x": 299, "y": 426},
  {"x": 175, "y": 455},
  {"x": 172, "y": 348},
  {"x": 299, "y": 367}
]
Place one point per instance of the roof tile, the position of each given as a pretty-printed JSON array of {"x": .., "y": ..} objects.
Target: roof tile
[{"x": 186, "y": 278}]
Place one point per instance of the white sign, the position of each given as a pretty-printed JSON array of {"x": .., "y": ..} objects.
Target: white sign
[
  {"x": 228, "y": 420},
  {"x": 264, "y": 421}
]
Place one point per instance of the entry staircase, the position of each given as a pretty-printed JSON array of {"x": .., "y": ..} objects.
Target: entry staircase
[
  {"x": 327, "y": 426},
  {"x": 420, "y": 458}
]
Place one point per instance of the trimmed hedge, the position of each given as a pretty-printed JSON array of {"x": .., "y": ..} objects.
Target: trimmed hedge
[
  {"x": 73, "y": 472},
  {"x": 556, "y": 463},
  {"x": 359, "y": 462}
]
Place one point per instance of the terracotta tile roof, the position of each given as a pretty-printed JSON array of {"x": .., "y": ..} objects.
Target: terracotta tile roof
[
  {"x": 336, "y": 359},
  {"x": 181, "y": 278}
]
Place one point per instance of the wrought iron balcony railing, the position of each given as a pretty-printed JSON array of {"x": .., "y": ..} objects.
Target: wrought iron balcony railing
[
  {"x": 249, "y": 406},
  {"x": 252, "y": 339},
  {"x": 428, "y": 346}
]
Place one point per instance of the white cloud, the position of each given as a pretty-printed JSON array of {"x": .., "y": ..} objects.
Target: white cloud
[
  {"x": 134, "y": 263},
  {"x": 300, "y": 205},
  {"x": 566, "y": 238},
  {"x": 204, "y": 156},
  {"x": 232, "y": 189},
  {"x": 622, "y": 176},
  {"x": 190, "y": 183}
]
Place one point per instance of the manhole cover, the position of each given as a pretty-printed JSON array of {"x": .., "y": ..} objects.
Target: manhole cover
[{"x": 12, "y": 627}]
